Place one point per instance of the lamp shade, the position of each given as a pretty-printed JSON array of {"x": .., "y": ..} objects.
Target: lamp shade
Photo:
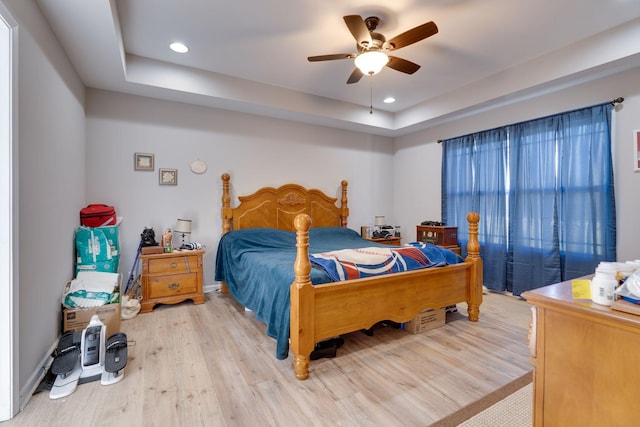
[
  {"x": 183, "y": 226},
  {"x": 379, "y": 220},
  {"x": 371, "y": 62}
]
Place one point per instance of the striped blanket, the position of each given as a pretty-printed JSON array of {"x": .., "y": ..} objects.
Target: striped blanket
[{"x": 347, "y": 264}]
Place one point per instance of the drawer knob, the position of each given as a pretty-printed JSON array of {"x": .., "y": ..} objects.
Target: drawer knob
[
  {"x": 173, "y": 264},
  {"x": 173, "y": 286}
]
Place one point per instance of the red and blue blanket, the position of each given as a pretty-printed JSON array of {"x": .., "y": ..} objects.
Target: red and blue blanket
[{"x": 347, "y": 264}]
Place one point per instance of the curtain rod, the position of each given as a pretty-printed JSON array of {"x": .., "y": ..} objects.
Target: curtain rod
[
  {"x": 613, "y": 102},
  {"x": 619, "y": 100}
]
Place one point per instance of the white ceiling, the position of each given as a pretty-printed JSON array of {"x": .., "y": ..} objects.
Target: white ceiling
[{"x": 251, "y": 55}]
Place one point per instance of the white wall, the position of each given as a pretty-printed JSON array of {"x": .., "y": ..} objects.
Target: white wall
[
  {"x": 50, "y": 185},
  {"x": 8, "y": 293},
  {"x": 256, "y": 151},
  {"x": 417, "y": 159}
]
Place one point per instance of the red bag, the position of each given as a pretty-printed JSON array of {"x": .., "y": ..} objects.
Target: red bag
[{"x": 97, "y": 215}]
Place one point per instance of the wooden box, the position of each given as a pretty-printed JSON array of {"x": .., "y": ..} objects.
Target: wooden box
[
  {"x": 150, "y": 250},
  {"x": 437, "y": 235}
]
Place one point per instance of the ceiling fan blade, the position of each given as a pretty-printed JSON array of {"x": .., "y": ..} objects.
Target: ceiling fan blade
[
  {"x": 331, "y": 57},
  {"x": 413, "y": 35},
  {"x": 355, "y": 76},
  {"x": 358, "y": 29},
  {"x": 402, "y": 65}
]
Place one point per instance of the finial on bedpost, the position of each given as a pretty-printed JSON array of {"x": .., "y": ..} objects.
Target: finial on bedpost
[
  {"x": 302, "y": 266},
  {"x": 473, "y": 246},
  {"x": 226, "y": 204},
  {"x": 473, "y": 255},
  {"x": 302, "y": 301},
  {"x": 344, "y": 204}
]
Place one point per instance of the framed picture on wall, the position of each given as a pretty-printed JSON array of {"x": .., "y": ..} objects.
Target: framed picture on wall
[
  {"x": 143, "y": 162},
  {"x": 168, "y": 176},
  {"x": 636, "y": 150}
]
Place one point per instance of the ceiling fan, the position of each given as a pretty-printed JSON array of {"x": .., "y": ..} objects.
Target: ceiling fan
[{"x": 373, "y": 47}]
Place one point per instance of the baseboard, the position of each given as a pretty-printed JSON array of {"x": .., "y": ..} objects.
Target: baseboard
[
  {"x": 34, "y": 379},
  {"x": 212, "y": 287}
]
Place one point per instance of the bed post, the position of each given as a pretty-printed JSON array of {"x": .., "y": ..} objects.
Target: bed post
[
  {"x": 474, "y": 299},
  {"x": 227, "y": 215},
  {"x": 302, "y": 301},
  {"x": 344, "y": 209}
]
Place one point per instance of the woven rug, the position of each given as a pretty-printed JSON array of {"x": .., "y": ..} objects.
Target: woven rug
[{"x": 509, "y": 406}]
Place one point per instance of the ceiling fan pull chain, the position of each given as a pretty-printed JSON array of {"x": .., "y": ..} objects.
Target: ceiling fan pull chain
[{"x": 370, "y": 95}]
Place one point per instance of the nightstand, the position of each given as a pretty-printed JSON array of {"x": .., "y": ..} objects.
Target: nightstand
[
  {"x": 170, "y": 278},
  {"x": 392, "y": 241}
]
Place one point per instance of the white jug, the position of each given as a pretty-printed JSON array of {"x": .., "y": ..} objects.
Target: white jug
[{"x": 603, "y": 287}]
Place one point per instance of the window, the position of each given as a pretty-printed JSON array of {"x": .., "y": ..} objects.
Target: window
[{"x": 544, "y": 191}]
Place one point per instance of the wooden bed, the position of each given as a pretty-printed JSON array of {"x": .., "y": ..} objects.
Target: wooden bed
[{"x": 328, "y": 310}]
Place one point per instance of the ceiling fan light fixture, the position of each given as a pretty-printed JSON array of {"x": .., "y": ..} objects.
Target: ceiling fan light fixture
[{"x": 371, "y": 62}]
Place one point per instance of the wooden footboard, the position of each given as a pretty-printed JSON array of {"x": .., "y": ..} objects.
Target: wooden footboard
[{"x": 324, "y": 311}]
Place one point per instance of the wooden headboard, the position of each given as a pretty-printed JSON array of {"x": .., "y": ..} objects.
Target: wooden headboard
[{"x": 277, "y": 207}]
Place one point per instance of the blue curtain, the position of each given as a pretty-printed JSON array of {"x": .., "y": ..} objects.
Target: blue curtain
[
  {"x": 544, "y": 191},
  {"x": 534, "y": 254},
  {"x": 474, "y": 179},
  {"x": 586, "y": 197}
]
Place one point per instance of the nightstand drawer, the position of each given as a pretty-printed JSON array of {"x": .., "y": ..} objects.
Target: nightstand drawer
[
  {"x": 174, "y": 284},
  {"x": 173, "y": 265}
]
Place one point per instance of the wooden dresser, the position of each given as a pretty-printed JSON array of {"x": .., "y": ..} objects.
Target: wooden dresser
[
  {"x": 585, "y": 357},
  {"x": 170, "y": 278}
]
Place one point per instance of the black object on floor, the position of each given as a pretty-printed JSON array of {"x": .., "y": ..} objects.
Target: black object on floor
[
  {"x": 46, "y": 383},
  {"x": 66, "y": 355},
  {"x": 319, "y": 353},
  {"x": 116, "y": 353},
  {"x": 337, "y": 342},
  {"x": 327, "y": 348},
  {"x": 390, "y": 323}
]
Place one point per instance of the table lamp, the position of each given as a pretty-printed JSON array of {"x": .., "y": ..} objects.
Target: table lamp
[{"x": 183, "y": 227}]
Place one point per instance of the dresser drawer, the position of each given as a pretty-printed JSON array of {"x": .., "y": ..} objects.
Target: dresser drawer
[
  {"x": 173, "y": 284},
  {"x": 173, "y": 265}
]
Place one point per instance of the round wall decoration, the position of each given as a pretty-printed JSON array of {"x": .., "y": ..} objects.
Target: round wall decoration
[{"x": 198, "y": 166}]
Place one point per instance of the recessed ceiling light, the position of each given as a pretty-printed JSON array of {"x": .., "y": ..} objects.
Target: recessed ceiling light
[
  {"x": 389, "y": 100},
  {"x": 179, "y": 47}
]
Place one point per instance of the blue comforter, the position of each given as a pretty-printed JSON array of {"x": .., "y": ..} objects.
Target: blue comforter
[{"x": 257, "y": 266}]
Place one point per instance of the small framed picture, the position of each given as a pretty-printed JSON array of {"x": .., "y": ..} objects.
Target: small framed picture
[
  {"x": 636, "y": 150},
  {"x": 143, "y": 161},
  {"x": 168, "y": 176}
]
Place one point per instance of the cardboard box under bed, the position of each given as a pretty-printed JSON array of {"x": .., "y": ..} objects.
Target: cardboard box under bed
[{"x": 426, "y": 320}]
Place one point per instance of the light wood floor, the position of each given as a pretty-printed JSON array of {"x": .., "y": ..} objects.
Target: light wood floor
[{"x": 213, "y": 365}]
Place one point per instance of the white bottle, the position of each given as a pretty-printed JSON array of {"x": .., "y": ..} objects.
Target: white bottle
[{"x": 603, "y": 286}]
